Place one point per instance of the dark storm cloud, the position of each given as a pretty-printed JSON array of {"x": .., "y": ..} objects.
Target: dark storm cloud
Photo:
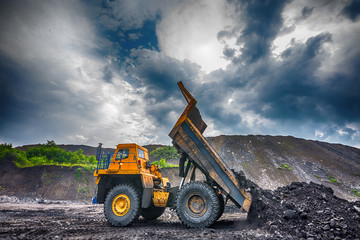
[
  {"x": 263, "y": 21},
  {"x": 108, "y": 75},
  {"x": 160, "y": 74},
  {"x": 306, "y": 12},
  {"x": 286, "y": 91},
  {"x": 292, "y": 90},
  {"x": 229, "y": 53},
  {"x": 35, "y": 61},
  {"x": 28, "y": 104},
  {"x": 343, "y": 92},
  {"x": 352, "y": 10}
]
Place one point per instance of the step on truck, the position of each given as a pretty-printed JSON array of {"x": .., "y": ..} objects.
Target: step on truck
[{"x": 129, "y": 185}]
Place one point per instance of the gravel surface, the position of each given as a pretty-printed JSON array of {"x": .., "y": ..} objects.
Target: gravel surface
[
  {"x": 299, "y": 211},
  {"x": 85, "y": 221}
]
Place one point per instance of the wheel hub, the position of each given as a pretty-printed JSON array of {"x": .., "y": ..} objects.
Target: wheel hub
[
  {"x": 121, "y": 205},
  {"x": 196, "y": 205}
]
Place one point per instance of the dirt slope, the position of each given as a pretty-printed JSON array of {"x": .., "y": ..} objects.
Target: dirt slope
[
  {"x": 276, "y": 161},
  {"x": 47, "y": 182}
]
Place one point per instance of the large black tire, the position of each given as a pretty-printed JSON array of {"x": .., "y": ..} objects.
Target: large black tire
[
  {"x": 197, "y": 205},
  {"x": 221, "y": 206},
  {"x": 122, "y": 205},
  {"x": 152, "y": 212}
]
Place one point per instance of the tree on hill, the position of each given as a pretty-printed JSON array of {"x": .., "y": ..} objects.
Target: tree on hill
[{"x": 168, "y": 153}]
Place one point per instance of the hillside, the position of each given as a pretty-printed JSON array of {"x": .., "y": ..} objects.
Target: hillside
[
  {"x": 269, "y": 161},
  {"x": 274, "y": 161}
]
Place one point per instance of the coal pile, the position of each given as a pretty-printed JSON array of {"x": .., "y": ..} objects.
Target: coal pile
[{"x": 304, "y": 211}]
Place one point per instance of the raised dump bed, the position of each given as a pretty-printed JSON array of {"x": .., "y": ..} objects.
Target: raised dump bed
[{"x": 188, "y": 139}]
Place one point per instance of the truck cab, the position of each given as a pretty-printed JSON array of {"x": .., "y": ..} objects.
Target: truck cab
[{"x": 129, "y": 185}]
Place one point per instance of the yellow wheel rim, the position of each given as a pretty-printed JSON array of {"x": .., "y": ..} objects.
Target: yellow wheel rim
[
  {"x": 197, "y": 205},
  {"x": 121, "y": 205}
]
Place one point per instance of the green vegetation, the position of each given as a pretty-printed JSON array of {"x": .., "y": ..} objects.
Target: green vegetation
[
  {"x": 46, "y": 154},
  {"x": 79, "y": 174},
  {"x": 8, "y": 152},
  {"x": 167, "y": 153},
  {"x": 2, "y": 188},
  {"x": 332, "y": 179},
  {"x": 356, "y": 192},
  {"x": 81, "y": 189},
  {"x": 162, "y": 163},
  {"x": 44, "y": 175},
  {"x": 287, "y": 144},
  {"x": 284, "y": 166}
]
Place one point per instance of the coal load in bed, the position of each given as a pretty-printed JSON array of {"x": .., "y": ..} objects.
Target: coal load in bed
[{"x": 303, "y": 210}]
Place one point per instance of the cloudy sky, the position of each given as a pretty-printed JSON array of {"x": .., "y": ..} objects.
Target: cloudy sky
[{"x": 84, "y": 72}]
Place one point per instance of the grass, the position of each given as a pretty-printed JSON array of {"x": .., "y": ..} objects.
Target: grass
[
  {"x": 356, "y": 192},
  {"x": 44, "y": 175},
  {"x": 284, "y": 166},
  {"x": 332, "y": 179},
  {"x": 81, "y": 190},
  {"x": 86, "y": 166},
  {"x": 46, "y": 178},
  {"x": 163, "y": 164},
  {"x": 79, "y": 174},
  {"x": 2, "y": 188}
]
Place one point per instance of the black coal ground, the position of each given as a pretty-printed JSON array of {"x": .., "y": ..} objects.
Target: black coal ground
[{"x": 304, "y": 211}]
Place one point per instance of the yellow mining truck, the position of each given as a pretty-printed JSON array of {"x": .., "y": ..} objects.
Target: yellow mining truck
[{"x": 130, "y": 186}]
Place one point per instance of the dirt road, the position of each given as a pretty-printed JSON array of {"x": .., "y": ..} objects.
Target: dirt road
[{"x": 85, "y": 221}]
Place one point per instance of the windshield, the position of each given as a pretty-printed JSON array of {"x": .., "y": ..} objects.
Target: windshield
[{"x": 122, "y": 154}]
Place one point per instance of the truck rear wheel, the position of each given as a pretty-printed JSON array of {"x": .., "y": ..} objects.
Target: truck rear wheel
[
  {"x": 122, "y": 205},
  {"x": 197, "y": 205},
  {"x": 152, "y": 212}
]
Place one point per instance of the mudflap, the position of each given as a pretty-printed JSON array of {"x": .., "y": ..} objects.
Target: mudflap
[
  {"x": 146, "y": 198},
  {"x": 172, "y": 196}
]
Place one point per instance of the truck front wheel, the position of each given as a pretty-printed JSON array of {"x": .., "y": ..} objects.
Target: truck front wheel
[
  {"x": 197, "y": 205},
  {"x": 122, "y": 205}
]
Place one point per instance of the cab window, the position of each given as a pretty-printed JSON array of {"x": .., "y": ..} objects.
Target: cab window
[
  {"x": 122, "y": 154},
  {"x": 141, "y": 153}
]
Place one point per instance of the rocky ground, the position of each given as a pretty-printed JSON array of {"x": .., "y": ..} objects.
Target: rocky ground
[
  {"x": 67, "y": 220},
  {"x": 299, "y": 211}
]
